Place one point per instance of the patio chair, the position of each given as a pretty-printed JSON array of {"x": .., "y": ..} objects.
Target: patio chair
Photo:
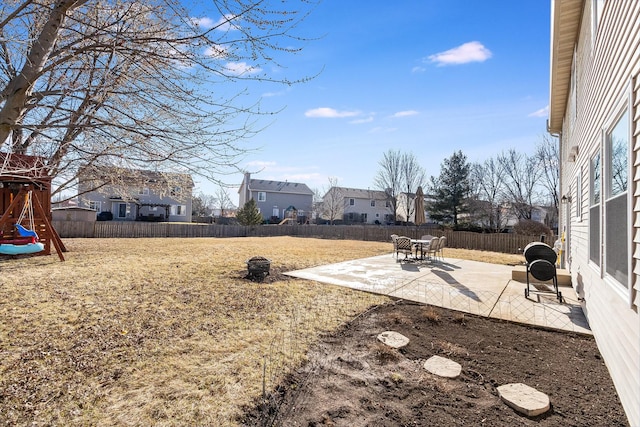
[
  {"x": 403, "y": 245},
  {"x": 395, "y": 247},
  {"x": 433, "y": 247},
  {"x": 441, "y": 245}
]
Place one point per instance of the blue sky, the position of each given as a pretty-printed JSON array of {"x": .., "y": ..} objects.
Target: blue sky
[{"x": 421, "y": 76}]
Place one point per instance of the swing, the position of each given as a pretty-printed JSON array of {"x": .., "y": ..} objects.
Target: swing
[{"x": 28, "y": 243}]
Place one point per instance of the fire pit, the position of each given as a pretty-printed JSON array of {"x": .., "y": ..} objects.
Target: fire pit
[{"x": 258, "y": 268}]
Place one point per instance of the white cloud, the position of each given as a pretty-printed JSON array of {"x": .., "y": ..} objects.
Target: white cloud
[
  {"x": 418, "y": 69},
  {"x": 224, "y": 23},
  {"x": 325, "y": 112},
  {"x": 216, "y": 51},
  {"x": 240, "y": 68},
  {"x": 543, "y": 112},
  {"x": 204, "y": 23},
  {"x": 463, "y": 54},
  {"x": 406, "y": 113},
  {"x": 361, "y": 121}
]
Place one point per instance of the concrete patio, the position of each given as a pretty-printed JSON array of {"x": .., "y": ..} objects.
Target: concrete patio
[{"x": 469, "y": 286}]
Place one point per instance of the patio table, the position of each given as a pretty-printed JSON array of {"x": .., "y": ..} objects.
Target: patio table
[{"x": 420, "y": 244}]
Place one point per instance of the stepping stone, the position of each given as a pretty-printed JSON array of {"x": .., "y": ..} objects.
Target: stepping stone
[
  {"x": 524, "y": 399},
  {"x": 393, "y": 339},
  {"x": 443, "y": 367}
]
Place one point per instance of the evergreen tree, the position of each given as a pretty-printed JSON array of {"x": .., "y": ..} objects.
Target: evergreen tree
[
  {"x": 249, "y": 214},
  {"x": 449, "y": 192}
]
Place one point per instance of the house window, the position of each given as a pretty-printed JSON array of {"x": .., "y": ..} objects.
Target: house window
[
  {"x": 143, "y": 191},
  {"x": 352, "y": 202},
  {"x": 615, "y": 201},
  {"x": 594, "y": 209},
  {"x": 178, "y": 210},
  {"x": 363, "y": 217},
  {"x": 387, "y": 204},
  {"x": 262, "y": 196},
  {"x": 123, "y": 210},
  {"x": 373, "y": 203},
  {"x": 95, "y": 205}
]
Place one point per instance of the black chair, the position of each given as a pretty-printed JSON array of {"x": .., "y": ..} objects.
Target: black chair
[
  {"x": 404, "y": 246},
  {"x": 541, "y": 265}
]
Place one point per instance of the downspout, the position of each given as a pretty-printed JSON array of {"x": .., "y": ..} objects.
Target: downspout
[{"x": 561, "y": 219}]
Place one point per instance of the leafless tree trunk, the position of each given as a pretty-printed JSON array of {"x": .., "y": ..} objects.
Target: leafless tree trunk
[
  {"x": 548, "y": 156},
  {"x": 333, "y": 201},
  {"x": 522, "y": 176},
  {"x": 141, "y": 85},
  {"x": 412, "y": 176},
  {"x": 399, "y": 172},
  {"x": 488, "y": 182},
  {"x": 222, "y": 200}
]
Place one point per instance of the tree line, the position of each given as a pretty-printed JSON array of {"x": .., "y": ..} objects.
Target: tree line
[{"x": 483, "y": 194}]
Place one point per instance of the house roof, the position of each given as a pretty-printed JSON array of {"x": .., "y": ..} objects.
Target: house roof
[
  {"x": 565, "y": 24},
  {"x": 140, "y": 175},
  {"x": 279, "y": 187},
  {"x": 358, "y": 193}
]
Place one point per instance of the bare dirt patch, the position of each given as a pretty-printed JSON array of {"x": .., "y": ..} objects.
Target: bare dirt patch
[{"x": 351, "y": 379}]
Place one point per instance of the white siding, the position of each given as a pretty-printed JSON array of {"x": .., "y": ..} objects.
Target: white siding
[{"x": 606, "y": 68}]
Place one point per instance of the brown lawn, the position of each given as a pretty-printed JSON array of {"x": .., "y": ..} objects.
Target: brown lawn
[{"x": 164, "y": 331}]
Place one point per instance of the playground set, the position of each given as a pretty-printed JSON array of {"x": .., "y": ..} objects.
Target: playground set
[{"x": 25, "y": 207}]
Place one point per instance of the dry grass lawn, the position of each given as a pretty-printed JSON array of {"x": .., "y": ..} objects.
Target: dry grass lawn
[{"x": 164, "y": 331}]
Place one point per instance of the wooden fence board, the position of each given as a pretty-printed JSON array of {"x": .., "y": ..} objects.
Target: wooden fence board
[{"x": 500, "y": 242}]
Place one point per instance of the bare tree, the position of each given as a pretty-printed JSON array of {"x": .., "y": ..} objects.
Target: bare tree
[
  {"x": 222, "y": 201},
  {"x": 488, "y": 184},
  {"x": 412, "y": 176},
  {"x": 522, "y": 173},
  {"x": 547, "y": 153},
  {"x": 398, "y": 173},
  {"x": 133, "y": 84},
  {"x": 333, "y": 201}
]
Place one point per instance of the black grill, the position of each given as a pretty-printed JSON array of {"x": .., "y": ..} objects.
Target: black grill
[{"x": 541, "y": 265}]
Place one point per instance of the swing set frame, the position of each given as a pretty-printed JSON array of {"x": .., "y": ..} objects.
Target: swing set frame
[{"x": 24, "y": 181}]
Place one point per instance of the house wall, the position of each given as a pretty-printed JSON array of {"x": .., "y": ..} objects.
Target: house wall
[
  {"x": 363, "y": 206},
  {"x": 302, "y": 202},
  {"x": 605, "y": 80},
  {"x": 110, "y": 205}
]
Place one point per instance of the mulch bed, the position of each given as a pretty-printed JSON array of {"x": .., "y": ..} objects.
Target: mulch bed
[{"x": 351, "y": 379}]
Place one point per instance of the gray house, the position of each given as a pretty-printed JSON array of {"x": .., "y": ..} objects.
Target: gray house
[
  {"x": 355, "y": 205},
  {"x": 136, "y": 195},
  {"x": 594, "y": 110},
  {"x": 276, "y": 200}
]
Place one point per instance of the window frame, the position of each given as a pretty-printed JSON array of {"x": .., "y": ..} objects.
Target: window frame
[
  {"x": 95, "y": 203},
  {"x": 623, "y": 110},
  {"x": 595, "y": 201},
  {"x": 262, "y": 196}
]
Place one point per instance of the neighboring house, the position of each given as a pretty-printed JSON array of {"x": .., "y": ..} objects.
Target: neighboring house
[
  {"x": 595, "y": 111},
  {"x": 276, "y": 198},
  {"x": 354, "y": 205},
  {"x": 137, "y": 195}
]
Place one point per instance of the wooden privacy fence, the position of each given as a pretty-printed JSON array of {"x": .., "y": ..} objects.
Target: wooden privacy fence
[{"x": 501, "y": 242}]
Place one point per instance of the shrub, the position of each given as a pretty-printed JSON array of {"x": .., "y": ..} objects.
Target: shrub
[{"x": 531, "y": 228}]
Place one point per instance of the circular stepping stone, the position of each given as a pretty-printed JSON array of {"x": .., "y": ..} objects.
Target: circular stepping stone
[
  {"x": 393, "y": 339},
  {"x": 443, "y": 367},
  {"x": 524, "y": 399}
]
